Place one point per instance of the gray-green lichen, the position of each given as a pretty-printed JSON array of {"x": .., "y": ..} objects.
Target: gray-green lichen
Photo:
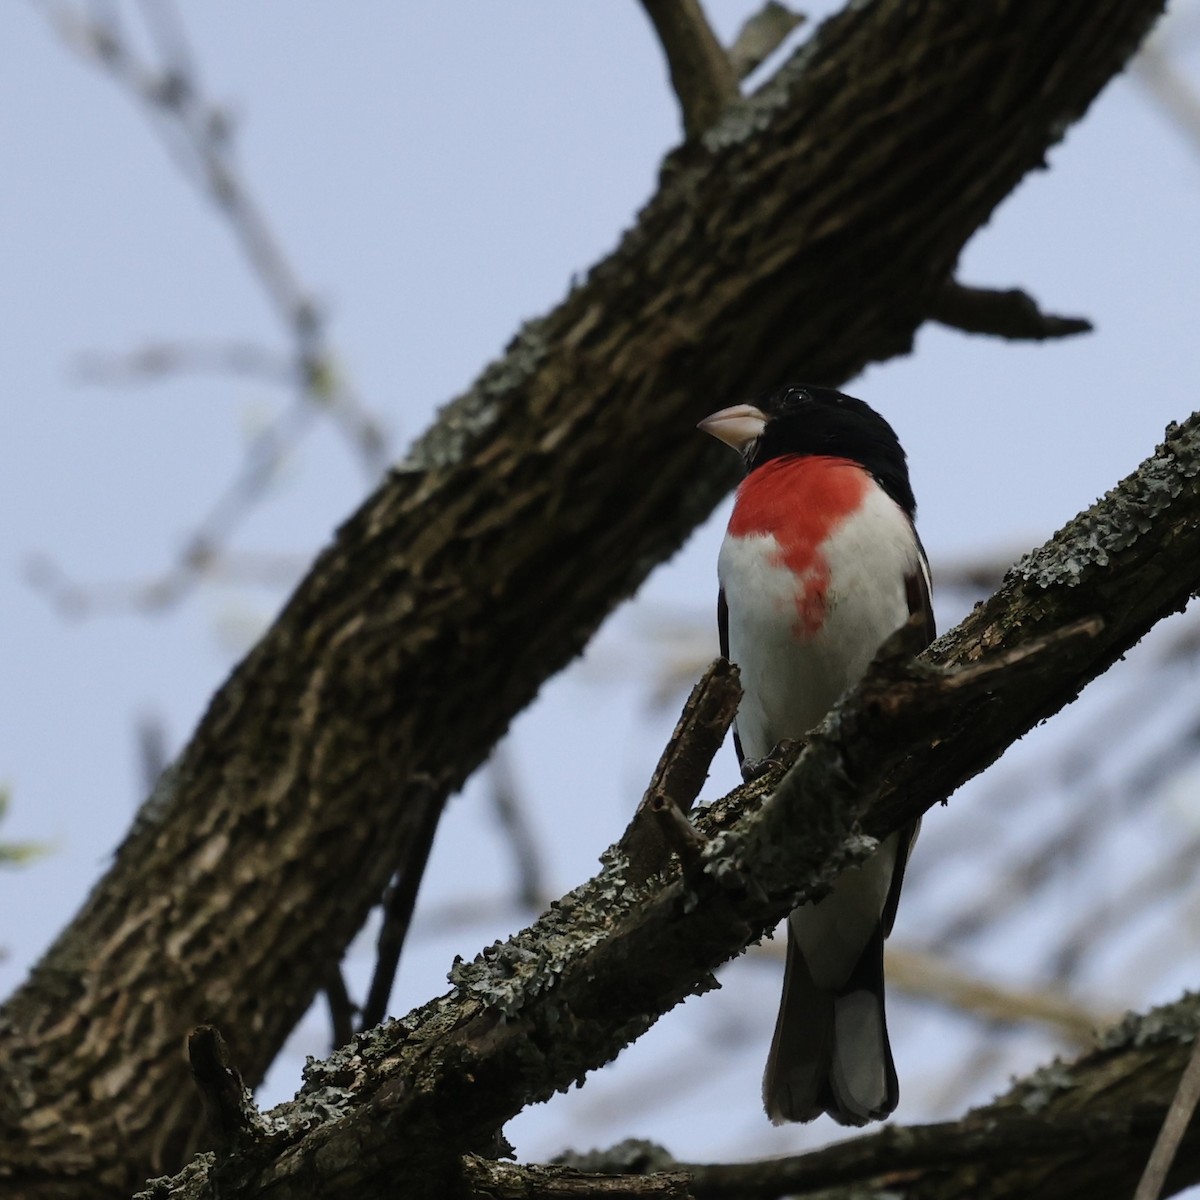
[
  {"x": 1044, "y": 1084},
  {"x": 633, "y": 1156},
  {"x": 164, "y": 1185},
  {"x": 749, "y": 115},
  {"x": 1125, "y": 514},
  {"x": 311, "y": 1107},
  {"x": 505, "y": 975},
  {"x": 464, "y": 420},
  {"x": 1171, "y": 1023},
  {"x": 347, "y": 1066}
]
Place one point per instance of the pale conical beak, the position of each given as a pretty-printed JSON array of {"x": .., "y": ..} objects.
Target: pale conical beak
[{"x": 737, "y": 426}]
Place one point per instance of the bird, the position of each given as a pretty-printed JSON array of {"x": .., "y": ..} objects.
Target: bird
[{"x": 820, "y": 564}]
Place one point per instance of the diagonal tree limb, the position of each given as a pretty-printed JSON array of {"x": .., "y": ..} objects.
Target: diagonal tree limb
[
  {"x": 531, "y": 1015},
  {"x": 806, "y": 233}
]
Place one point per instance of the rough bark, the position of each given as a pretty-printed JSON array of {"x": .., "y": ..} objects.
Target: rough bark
[
  {"x": 532, "y": 1015},
  {"x": 804, "y": 235}
]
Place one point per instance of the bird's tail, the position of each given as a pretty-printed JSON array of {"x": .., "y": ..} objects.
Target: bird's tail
[{"x": 831, "y": 1052}]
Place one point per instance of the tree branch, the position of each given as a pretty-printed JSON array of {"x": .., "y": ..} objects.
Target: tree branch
[
  {"x": 341, "y": 1009},
  {"x": 509, "y": 807},
  {"x": 701, "y": 72},
  {"x": 492, "y": 1180},
  {"x": 1174, "y": 1127},
  {"x": 1012, "y": 314},
  {"x": 681, "y": 772},
  {"x": 985, "y": 1140}
]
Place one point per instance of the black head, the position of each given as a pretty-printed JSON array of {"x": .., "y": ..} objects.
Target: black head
[{"x": 803, "y": 419}]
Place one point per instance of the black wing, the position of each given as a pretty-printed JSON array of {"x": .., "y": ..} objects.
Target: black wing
[
  {"x": 723, "y": 638},
  {"x": 916, "y": 588}
]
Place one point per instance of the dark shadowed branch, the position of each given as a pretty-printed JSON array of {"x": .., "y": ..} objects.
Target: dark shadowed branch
[
  {"x": 399, "y": 901},
  {"x": 1012, "y": 314}
]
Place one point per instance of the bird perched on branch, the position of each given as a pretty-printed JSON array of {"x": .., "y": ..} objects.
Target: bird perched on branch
[{"x": 820, "y": 565}]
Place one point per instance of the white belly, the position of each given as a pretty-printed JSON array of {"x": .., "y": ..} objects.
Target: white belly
[{"x": 791, "y": 674}]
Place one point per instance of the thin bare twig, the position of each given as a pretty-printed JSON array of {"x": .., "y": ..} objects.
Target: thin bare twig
[
  {"x": 398, "y": 903},
  {"x": 198, "y": 135},
  {"x": 930, "y": 977},
  {"x": 341, "y": 1009},
  {"x": 260, "y": 466},
  {"x": 1175, "y": 96},
  {"x": 654, "y": 834},
  {"x": 1167, "y": 876},
  {"x": 1174, "y": 1126},
  {"x": 158, "y": 360},
  {"x": 979, "y": 575},
  {"x": 510, "y": 811}
]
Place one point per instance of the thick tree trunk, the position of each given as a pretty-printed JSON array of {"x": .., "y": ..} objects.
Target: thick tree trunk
[{"x": 806, "y": 234}]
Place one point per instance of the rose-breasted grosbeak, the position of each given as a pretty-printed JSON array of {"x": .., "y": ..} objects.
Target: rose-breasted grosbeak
[{"x": 821, "y": 563}]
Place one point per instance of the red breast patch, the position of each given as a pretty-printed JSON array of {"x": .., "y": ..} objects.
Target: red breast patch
[{"x": 800, "y": 501}]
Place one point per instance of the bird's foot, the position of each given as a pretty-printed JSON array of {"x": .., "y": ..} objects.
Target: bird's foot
[{"x": 756, "y": 768}]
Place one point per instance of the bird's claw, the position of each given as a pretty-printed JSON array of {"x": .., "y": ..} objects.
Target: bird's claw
[{"x": 756, "y": 768}]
